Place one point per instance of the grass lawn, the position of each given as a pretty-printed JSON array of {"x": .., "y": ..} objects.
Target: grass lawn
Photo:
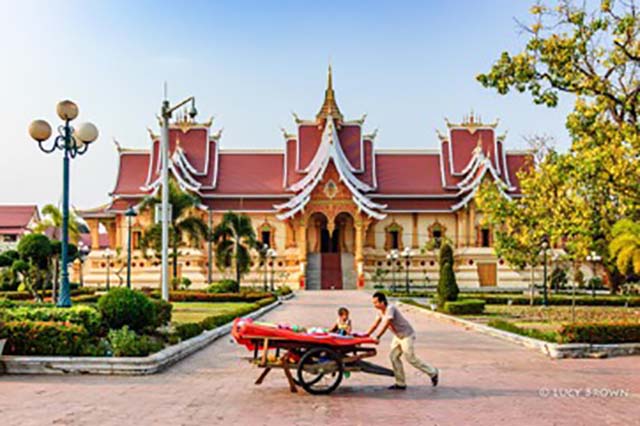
[
  {"x": 552, "y": 317},
  {"x": 197, "y": 311}
]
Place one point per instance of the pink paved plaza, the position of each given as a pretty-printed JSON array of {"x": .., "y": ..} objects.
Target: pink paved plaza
[{"x": 484, "y": 381}]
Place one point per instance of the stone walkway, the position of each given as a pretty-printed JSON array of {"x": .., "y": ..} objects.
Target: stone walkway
[{"x": 484, "y": 381}]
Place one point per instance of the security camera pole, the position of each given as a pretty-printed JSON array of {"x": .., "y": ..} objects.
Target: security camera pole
[{"x": 166, "y": 113}]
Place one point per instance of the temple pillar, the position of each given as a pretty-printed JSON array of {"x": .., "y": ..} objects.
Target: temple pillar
[
  {"x": 360, "y": 228},
  {"x": 111, "y": 232},
  {"x": 414, "y": 234},
  {"x": 94, "y": 229},
  {"x": 473, "y": 237},
  {"x": 302, "y": 251}
]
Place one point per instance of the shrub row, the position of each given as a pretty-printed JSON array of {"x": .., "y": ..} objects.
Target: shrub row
[
  {"x": 600, "y": 333},
  {"x": 464, "y": 307},
  {"x": 43, "y": 338},
  {"x": 188, "y": 330},
  {"x": 549, "y": 336},
  {"x": 522, "y": 299},
  {"x": 201, "y": 296},
  {"x": 85, "y": 316},
  {"x": 25, "y": 295}
]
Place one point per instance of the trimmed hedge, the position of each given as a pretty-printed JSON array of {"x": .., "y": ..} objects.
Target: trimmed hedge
[
  {"x": 25, "y": 295},
  {"x": 188, "y": 330},
  {"x": 44, "y": 338},
  {"x": 464, "y": 307},
  {"x": 549, "y": 336},
  {"x": 600, "y": 333},
  {"x": 85, "y": 316},
  {"x": 201, "y": 296}
]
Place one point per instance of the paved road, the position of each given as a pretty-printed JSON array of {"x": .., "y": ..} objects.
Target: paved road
[{"x": 484, "y": 381}]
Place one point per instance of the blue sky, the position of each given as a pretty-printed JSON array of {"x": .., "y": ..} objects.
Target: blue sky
[{"x": 407, "y": 64}]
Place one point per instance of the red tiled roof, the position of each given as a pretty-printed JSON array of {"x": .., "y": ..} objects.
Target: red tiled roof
[
  {"x": 248, "y": 173},
  {"x": 409, "y": 174},
  {"x": 14, "y": 217},
  {"x": 132, "y": 172}
]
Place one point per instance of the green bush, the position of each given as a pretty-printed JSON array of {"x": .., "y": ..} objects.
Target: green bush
[
  {"x": 188, "y": 330},
  {"x": 125, "y": 342},
  {"x": 464, "y": 307},
  {"x": 283, "y": 290},
  {"x": 214, "y": 321},
  {"x": 200, "y": 296},
  {"x": 122, "y": 306},
  {"x": 85, "y": 316},
  {"x": 162, "y": 312},
  {"x": 548, "y": 336},
  {"x": 43, "y": 338},
  {"x": 266, "y": 301},
  {"x": 223, "y": 286},
  {"x": 447, "y": 286},
  {"x": 595, "y": 333}
]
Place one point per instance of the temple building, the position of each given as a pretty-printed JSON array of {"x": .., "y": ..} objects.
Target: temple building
[{"x": 331, "y": 205}]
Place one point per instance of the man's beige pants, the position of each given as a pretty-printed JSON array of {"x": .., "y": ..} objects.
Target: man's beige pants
[{"x": 404, "y": 345}]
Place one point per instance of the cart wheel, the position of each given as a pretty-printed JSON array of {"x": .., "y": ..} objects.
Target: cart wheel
[{"x": 320, "y": 371}]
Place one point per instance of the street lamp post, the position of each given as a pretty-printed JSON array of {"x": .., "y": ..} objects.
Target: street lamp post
[
  {"x": 594, "y": 258},
  {"x": 271, "y": 253},
  {"x": 83, "y": 252},
  {"x": 406, "y": 253},
  {"x": 393, "y": 258},
  {"x": 545, "y": 245},
  {"x": 165, "y": 113},
  {"x": 263, "y": 253},
  {"x": 210, "y": 248},
  {"x": 107, "y": 254},
  {"x": 73, "y": 142},
  {"x": 130, "y": 214}
]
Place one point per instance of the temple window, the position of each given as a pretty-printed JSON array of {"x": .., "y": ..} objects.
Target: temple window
[
  {"x": 485, "y": 237},
  {"x": 266, "y": 235},
  {"x": 266, "y": 238},
  {"x": 393, "y": 237},
  {"x": 436, "y": 234}
]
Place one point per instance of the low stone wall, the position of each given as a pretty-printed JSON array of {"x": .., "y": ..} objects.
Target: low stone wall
[
  {"x": 553, "y": 350},
  {"x": 20, "y": 364}
]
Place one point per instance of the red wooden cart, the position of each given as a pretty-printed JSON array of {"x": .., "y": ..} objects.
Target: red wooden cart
[{"x": 319, "y": 359}]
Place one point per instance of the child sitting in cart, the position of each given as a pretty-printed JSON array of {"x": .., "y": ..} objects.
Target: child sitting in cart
[{"x": 343, "y": 323}]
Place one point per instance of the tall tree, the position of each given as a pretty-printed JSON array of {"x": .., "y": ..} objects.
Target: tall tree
[
  {"x": 625, "y": 246},
  {"x": 234, "y": 237},
  {"x": 185, "y": 227},
  {"x": 52, "y": 222},
  {"x": 591, "y": 54}
]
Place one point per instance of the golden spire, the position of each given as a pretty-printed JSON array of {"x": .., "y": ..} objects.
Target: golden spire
[{"x": 329, "y": 106}]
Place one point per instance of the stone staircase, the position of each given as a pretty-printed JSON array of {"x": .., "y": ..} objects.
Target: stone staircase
[
  {"x": 313, "y": 271},
  {"x": 349, "y": 275},
  {"x": 331, "y": 275}
]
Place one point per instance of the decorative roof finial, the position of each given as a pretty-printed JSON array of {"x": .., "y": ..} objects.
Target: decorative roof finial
[{"x": 329, "y": 106}]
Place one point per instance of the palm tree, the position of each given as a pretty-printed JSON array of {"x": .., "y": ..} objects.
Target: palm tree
[
  {"x": 234, "y": 237},
  {"x": 183, "y": 225},
  {"x": 625, "y": 246},
  {"x": 52, "y": 221}
]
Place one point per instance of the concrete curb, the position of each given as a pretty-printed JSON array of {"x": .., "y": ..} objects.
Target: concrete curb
[
  {"x": 133, "y": 366},
  {"x": 553, "y": 350}
]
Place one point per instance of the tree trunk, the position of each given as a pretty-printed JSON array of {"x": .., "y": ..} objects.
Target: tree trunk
[
  {"x": 532, "y": 287},
  {"x": 237, "y": 265}
]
